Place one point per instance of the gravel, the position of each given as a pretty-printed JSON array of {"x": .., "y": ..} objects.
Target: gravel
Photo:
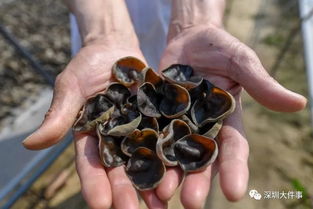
[{"x": 41, "y": 27}]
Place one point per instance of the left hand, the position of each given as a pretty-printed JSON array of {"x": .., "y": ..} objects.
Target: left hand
[{"x": 230, "y": 65}]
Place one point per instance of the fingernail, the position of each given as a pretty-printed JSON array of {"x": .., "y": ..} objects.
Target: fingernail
[{"x": 26, "y": 139}]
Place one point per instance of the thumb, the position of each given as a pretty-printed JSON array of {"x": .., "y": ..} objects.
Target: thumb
[
  {"x": 247, "y": 70},
  {"x": 66, "y": 103}
]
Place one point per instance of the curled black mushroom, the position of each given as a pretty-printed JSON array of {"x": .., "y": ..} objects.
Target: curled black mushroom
[
  {"x": 153, "y": 121},
  {"x": 173, "y": 132},
  {"x": 110, "y": 151},
  {"x": 211, "y": 129},
  {"x": 182, "y": 75},
  {"x": 145, "y": 169},
  {"x": 97, "y": 109},
  {"x": 151, "y": 76},
  {"x": 194, "y": 128},
  {"x": 139, "y": 138},
  {"x": 195, "y": 152},
  {"x": 117, "y": 93},
  {"x": 149, "y": 122},
  {"x": 215, "y": 105},
  {"x": 200, "y": 91},
  {"x": 121, "y": 123},
  {"x": 132, "y": 100},
  {"x": 175, "y": 101},
  {"x": 163, "y": 122},
  {"x": 128, "y": 71},
  {"x": 148, "y": 100}
]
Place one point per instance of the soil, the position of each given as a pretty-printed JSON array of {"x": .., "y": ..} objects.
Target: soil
[
  {"x": 281, "y": 144},
  {"x": 41, "y": 27}
]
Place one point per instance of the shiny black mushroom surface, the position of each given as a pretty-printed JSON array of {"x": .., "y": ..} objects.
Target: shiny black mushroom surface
[
  {"x": 148, "y": 121},
  {"x": 148, "y": 100},
  {"x": 182, "y": 75},
  {"x": 170, "y": 134},
  {"x": 139, "y": 138},
  {"x": 145, "y": 169},
  {"x": 214, "y": 105},
  {"x": 195, "y": 152},
  {"x": 175, "y": 101},
  {"x": 97, "y": 109},
  {"x": 128, "y": 71},
  {"x": 110, "y": 151}
]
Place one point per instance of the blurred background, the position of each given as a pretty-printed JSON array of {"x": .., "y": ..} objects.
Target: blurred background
[{"x": 281, "y": 144}]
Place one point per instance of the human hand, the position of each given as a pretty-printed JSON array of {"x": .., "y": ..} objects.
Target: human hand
[
  {"x": 230, "y": 65},
  {"x": 87, "y": 74}
]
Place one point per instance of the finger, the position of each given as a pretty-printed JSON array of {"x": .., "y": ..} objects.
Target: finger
[
  {"x": 169, "y": 183},
  {"x": 124, "y": 194},
  {"x": 66, "y": 103},
  {"x": 247, "y": 70},
  {"x": 152, "y": 200},
  {"x": 94, "y": 181},
  {"x": 195, "y": 189},
  {"x": 233, "y": 156}
]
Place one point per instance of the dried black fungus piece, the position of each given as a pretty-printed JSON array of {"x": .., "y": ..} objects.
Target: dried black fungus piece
[
  {"x": 171, "y": 121},
  {"x": 97, "y": 109},
  {"x": 132, "y": 100},
  {"x": 110, "y": 151},
  {"x": 182, "y": 75},
  {"x": 194, "y": 128},
  {"x": 151, "y": 76},
  {"x": 139, "y": 138},
  {"x": 211, "y": 129},
  {"x": 175, "y": 101},
  {"x": 117, "y": 93},
  {"x": 163, "y": 122},
  {"x": 195, "y": 152},
  {"x": 215, "y": 105},
  {"x": 145, "y": 169},
  {"x": 173, "y": 132},
  {"x": 121, "y": 123},
  {"x": 128, "y": 71},
  {"x": 149, "y": 122},
  {"x": 148, "y": 100}
]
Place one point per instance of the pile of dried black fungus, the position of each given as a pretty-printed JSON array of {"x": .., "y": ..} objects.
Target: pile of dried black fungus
[{"x": 148, "y": 122}]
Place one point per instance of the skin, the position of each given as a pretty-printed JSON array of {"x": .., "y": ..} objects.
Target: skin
[{"x": 196, "y": 37}]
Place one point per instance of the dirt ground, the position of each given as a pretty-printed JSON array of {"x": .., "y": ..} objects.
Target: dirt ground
[{"x": 281, "y": 144}]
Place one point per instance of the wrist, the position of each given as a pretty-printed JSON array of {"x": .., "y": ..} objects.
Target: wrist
[
  {"x": 103, "y": 21},
  {"x": 187, "y": 14},
  {"x": 112, "y": 41},
  {"x": 111, "y": 38}
]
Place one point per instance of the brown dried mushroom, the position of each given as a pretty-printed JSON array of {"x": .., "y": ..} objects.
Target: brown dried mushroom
[
  {"x": 110, "y": 151},
  {"x": 173, "y": 132},
  {"x": 152, "y": 77},
  {"x": 117, "y": 93},
  {"x": 145, "y": 169},
  {"x": 211, "y": 129},
  {"x": 148, "y": 100},
  {"x": 215, "y": 104},
  {"x": 182, "y": 75},
  {"x": 195, "y": 152},
  {"x": 120, "y": 124},
  {"x": 149, "y": 122},
  {"x": 170, "y": 120},
  {"x": 97, "y": 109},
  {"x": 128, "y": 71},
  {"x": 139, "y": 138},
  {"x": 175, "y": 101}
]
